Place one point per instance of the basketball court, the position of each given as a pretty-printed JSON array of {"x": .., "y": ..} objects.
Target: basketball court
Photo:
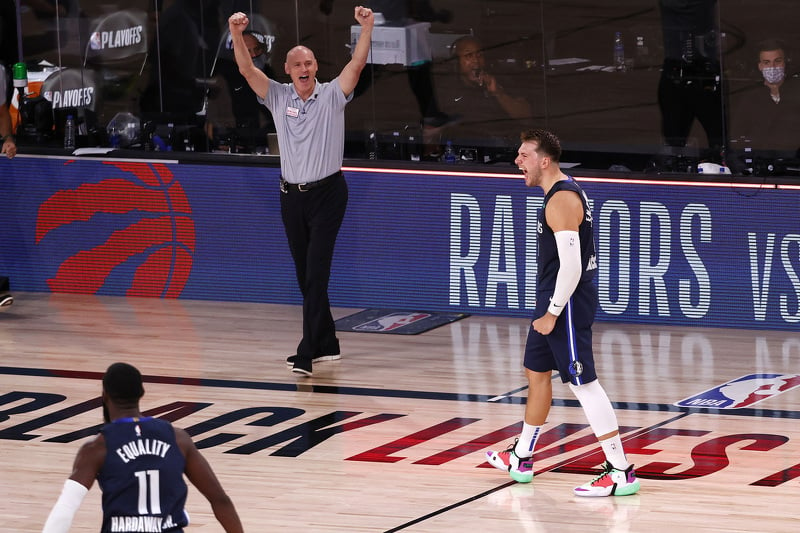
[{"x": 393, "y": 436}]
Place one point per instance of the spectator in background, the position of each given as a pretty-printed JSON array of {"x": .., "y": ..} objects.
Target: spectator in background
[
  {"x": 484, "y": 104},
  {"x": 766, "y": 116},
  {"x": 487, "y": 106}
]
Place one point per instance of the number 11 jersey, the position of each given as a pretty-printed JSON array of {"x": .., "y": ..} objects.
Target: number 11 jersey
[{"x": 142, "y": 477}]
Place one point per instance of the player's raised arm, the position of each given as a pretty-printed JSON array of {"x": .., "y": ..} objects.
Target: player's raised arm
[{"x": 352, "y": 70}]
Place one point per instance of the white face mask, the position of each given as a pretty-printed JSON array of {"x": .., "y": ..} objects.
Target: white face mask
[{"x": 773, "y": 74}]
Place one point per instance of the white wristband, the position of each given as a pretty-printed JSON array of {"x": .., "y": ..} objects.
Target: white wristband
[
  {"x": 64, "y": 510},
  {"x": 569, "y": 271}
]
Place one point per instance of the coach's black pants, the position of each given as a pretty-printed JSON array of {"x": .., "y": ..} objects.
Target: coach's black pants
[{"x": 312, "y": 220}]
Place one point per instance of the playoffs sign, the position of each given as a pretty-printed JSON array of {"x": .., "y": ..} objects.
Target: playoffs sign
[
  {"x": 70, "y": 88},
  {"x": 118, "y": 36}
]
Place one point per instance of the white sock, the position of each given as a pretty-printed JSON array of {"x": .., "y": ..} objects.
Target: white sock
[
  {"x": 527, "y": 440},
  {"x": 614, "y": 453}
]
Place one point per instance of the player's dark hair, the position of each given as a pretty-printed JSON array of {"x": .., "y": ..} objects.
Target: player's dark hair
[
  {"x": 123, "y": 383},
  {"x": 549, "y": 144}
]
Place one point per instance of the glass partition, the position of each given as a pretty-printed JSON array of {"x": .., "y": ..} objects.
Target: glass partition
[{"x": 633, "y": 85}]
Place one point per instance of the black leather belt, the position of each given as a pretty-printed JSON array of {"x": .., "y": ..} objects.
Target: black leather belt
[{"x": 287, "y": 187}]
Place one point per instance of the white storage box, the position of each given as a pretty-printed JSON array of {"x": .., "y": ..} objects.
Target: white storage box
[{"x": 403, "y": 45}]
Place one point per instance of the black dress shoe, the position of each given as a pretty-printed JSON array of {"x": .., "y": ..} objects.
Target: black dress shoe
[{"x": 302, "y": 367}]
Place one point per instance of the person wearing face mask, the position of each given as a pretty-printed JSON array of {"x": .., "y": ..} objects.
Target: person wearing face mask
[{"x": 765, "y": 115}]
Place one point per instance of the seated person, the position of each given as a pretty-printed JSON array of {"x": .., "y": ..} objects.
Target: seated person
[
  {"x": 766, "y": 115},
  {"x": 484, "y": 105}
]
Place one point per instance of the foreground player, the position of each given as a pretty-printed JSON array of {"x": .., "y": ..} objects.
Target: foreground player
[
  {"x": 139, "y": 463},
  {"x": 561, "y": 336}
]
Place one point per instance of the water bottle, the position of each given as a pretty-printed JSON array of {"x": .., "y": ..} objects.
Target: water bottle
[
  {"x": 642, "y": 53},
  {"x": 413, "y": 148},
  {"x": 372, "y": 145},
  {"x": 449, "y": 153},
  {"x": 69, "y": 133},
  {"x": 619, "y": 52},
  {"x": 114, "y": 138}
]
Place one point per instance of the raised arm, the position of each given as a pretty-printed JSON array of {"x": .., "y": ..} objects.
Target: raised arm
[
  {"x": 352, "y": 70},
  {"x": 256, "y": 78},
  {"x": 516, "y": 107}
]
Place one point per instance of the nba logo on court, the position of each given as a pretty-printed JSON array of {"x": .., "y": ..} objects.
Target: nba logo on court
[
  {"x": 391, "y": 321},
  {"x": 743, "y": 392}
]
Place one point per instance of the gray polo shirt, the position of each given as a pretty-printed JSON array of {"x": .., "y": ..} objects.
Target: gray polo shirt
[{"x": 310, "y": 133}]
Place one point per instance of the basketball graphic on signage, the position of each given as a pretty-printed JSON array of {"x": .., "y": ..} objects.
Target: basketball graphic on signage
[{"x": 147, "y": 233}]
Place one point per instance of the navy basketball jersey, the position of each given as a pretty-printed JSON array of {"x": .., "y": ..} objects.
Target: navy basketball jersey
[
  {"x": 547, "y": 256},
  {"x": 142, "y": 477}
]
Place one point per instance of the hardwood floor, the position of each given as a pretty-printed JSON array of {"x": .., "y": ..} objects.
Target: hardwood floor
[{"x": 392, "y": 437}]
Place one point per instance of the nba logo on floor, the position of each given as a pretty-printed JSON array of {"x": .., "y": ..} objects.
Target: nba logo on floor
[
  {"x": 743, "y": 391},
  {"x": 391, "y": 321}
]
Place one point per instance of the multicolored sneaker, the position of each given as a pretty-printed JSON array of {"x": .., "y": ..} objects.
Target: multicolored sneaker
[
  {"x": 611, "y": 482},
  {"x": 519, "y": 468}
]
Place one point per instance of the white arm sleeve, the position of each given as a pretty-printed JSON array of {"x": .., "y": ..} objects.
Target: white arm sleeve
[
  {"x": 569, "y": 271},
  {"x": 64, "y": 510}
]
